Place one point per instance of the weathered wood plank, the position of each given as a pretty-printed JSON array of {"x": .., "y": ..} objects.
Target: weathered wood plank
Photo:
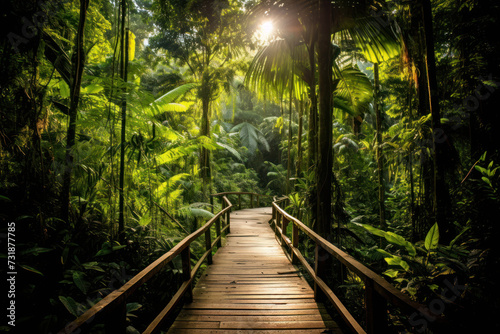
[
  {"x": 252, "y": 287},
  {"x": 251, "y": 331}
]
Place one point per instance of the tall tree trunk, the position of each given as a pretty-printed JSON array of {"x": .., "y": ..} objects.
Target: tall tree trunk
[
  {"x": 312, "y": 136},
  {"x": 312, "y": 133},
  {"x": 78, "y": 63},
  {"x": 124, "y": 77},
  {"x": 298, "y": 167},
  {"x": 442, "y": 195},
  {"x": 380, "y": 158},
  {"x": 325, "y": 163},
  {"x": 205, "y": 94},
  {"x": 289, "y": 159}
]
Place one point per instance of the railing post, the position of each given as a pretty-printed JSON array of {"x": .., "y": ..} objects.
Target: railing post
[
  {"x": 217, "y": 231},
  {"x": 208, "y": 245},
  {"x": 320, "y": 261},
  {"x": 284, "y": 226},
  {"x": 295, "y": 243},
  {"x": 277, "y": 224},
  {"x": 251, "y": 200},
  {"x": 228, "y": 221},
  {"x": 273, "y": 219},
  {"x": 223, "y": 206},
  {"x": 212, "y": 203},
  {"x": 117, "y": 320},
  {"x": 376, "y": 310},
  {"x": 186, "y": 272},
  {"x": 239, "y": 201}
]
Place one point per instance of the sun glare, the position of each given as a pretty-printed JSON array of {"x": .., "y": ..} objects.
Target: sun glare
[
  {"x": 267, "y": 27},
  {"x": 265, "y": 32}
]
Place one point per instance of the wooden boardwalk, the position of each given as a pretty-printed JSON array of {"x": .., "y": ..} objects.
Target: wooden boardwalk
[{"x": 251, "y": 287}]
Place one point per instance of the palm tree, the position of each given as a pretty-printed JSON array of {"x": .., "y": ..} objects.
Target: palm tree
[{"x": 352, "y": 22}]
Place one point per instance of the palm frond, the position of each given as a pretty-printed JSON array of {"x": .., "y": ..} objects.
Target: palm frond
[{"x": 375, "y": 38}]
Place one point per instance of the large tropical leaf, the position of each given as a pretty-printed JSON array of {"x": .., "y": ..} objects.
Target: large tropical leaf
[
  {"x": 354, "y": 91},
  {"x": 250, "y": 136},
  {"x": 230, "y": 150},
  {"x": 375, "y": 37},
  {"x": 166, "y": 101},
  {"x": 432, "y": 238}
]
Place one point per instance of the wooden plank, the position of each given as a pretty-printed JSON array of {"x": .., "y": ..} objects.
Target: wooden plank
[
  {"x": 246, "y": 313},
  {"x": 251, "y": 331},
  {"x": 230, "y": 318},
  {"x": 275, "y": 325},
  {"x": 229, "y": 306},
  {"x": 260, "y": 300},
  {"x": 252, "y": 287}
]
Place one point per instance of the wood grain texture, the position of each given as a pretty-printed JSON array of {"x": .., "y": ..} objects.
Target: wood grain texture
[{"x": 251, "y": 287}]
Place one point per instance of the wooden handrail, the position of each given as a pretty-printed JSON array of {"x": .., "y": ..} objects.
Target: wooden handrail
[
  {"x": 377, "y": 290},
  {"x": 114, "y": 305},
  {"x": 239, "y": 193}
]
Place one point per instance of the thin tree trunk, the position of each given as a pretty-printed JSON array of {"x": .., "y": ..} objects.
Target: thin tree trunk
[
  {"x": 380, "y": 158},
  {"x": 313, "y": 110},
  {"x": 205, "y": 172},
  {"x": 78, "y": 63},
  {"x": 124, "y": 76},
  {"x": 289, "y": 160},
  {"x": 325, "y": 163},
  {"x": 442, "y": 195},
  {"x": 312, "y": 134},
  {"x": 298, "y": 169}
]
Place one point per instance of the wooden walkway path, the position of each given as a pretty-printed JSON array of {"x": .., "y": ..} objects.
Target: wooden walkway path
[{"x": 251, "y": 287}]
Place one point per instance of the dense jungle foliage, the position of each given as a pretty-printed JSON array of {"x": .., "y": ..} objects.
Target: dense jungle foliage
[{"x": 376, "y": 119}]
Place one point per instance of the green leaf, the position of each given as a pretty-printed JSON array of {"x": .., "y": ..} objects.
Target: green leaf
[
  {"x": 105, "y": 249},
  {"x": 93, "y": 266},
  {"x": 63, "y": 89},
  {"x": 250, "y": 136},
  {"x": 383, "y": 43},
  {"x": 230, "y": 150},
  {"x": 392, "y": 238},
  {"x": 397, "y": 261},
  {"x": 487, "y": 181},
  {"x": 71, "y": 305},
  {"x": 93, "y": 88},
  {"x": 197, "y": 212},
  {"x": 131, "y": 330},
  {"x": 131, "y": 307},
  {"x": 481, "y": 170},
  {"x": 175, "y": 93},
  {"x": 36, "y": 250},
  {"x": 432, "y": 238},
  {"x": 207, "y": 143},
  {"x": 79, "y": 279},
  {"x": 28, "y": 268},
  {"x": 5, "y": 199},
  {"x": 459, "y": 235},
  {"x": 391, "y": 273},
  {"x": 145, "y": 220},
  {"x": 115, "y": 248},
  {"x": 384, "y": 253}
]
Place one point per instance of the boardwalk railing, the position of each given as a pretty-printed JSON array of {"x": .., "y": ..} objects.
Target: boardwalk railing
[
  {"x": 377, "y": 290},
  {"x": 111, "y": 310},
  {"x": 254, "y": 198}
]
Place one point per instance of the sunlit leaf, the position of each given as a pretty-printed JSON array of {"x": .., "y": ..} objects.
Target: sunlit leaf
[
  {"x": 397, "y": 261},
  {"x": 432, "y": 238}
]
